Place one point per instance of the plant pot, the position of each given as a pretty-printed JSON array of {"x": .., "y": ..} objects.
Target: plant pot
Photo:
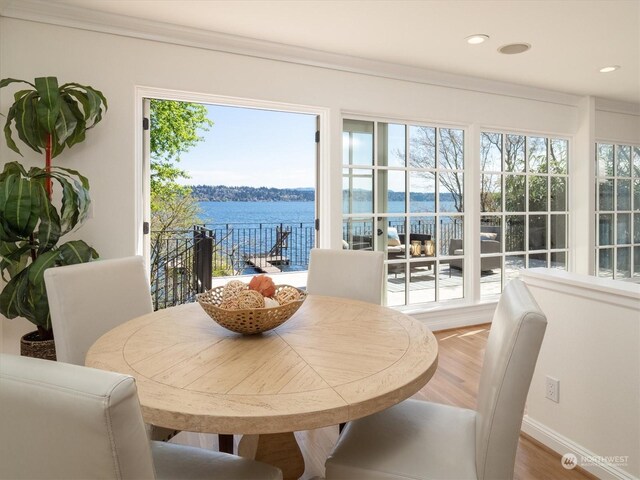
[{"x": 32, "y": 346}]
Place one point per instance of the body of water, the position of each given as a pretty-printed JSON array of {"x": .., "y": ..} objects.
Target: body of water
[{"x": 255, "y": 213}]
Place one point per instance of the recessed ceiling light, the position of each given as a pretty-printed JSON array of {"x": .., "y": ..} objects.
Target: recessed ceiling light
[
  {"x": 477, "y": 38},
  {"x": 514, "y": 48},
  {"x": 610, "y": 68}
]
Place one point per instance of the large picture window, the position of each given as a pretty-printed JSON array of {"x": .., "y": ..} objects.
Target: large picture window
[
  {"x": 403, "y": 195},
  {"x": 523, "y": 204},
  {"x": 617, "y": 210}
]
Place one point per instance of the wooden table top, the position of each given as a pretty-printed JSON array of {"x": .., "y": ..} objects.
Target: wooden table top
[{"x": 335, "y": 360}]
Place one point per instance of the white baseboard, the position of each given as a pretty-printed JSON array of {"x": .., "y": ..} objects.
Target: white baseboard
[
  {"x": 560, "y": 444},
  {"x": 466, "y": 316}
]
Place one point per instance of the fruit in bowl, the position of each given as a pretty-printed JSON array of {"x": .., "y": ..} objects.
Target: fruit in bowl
[{"x": 251, "y": 308}]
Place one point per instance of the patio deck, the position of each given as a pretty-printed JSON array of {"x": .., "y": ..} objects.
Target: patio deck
[{"x": 421, "y": 286}]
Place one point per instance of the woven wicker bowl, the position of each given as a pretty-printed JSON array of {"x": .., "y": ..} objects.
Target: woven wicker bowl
[{"x": 249, "y": 321}]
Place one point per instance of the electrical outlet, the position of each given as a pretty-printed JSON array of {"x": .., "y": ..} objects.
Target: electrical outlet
[{"x": 552, "y": 389}]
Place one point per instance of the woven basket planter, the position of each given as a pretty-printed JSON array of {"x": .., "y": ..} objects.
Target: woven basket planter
[
  {"x": 249, "y": 321},
  {"x": 31, "y": 346}
]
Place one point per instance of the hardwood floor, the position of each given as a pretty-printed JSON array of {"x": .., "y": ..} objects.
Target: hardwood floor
[{"x": 455, "y": 383}]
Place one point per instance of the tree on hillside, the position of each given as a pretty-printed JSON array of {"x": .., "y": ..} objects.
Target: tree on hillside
[
  {"x": 175, "y": 128},
  {"x": 422, "y": 145}
]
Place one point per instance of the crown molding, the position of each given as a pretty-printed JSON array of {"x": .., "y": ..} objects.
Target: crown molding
[
  {"x": 85, "y": 19},
  {"x": 615, "y": 106}
]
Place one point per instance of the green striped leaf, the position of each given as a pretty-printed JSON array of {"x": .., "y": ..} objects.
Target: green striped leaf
[
  {"x": 69, "y": 212},
  {"x": 40, "y": 305},
  {"x": 73, "y": 173},
  {"x": 13, "y": 168},
  {"x": 76, "y": 251},
  {"x": 44, "y": 261},
  {"x": 56, "y": 146},
  {"x": 75, "y": 195},
  {"x": 22, "y": 207},
  {"x": 26, "y": 122},
  {"x": 93, "y": 101},
  {"x": 6, "y": 185},
  {"x": 6, "y": 233},
  {"x": 78, "y": 134},
  {"x": 10, "y": 298},
  {"x": 49, "y": 229},
  {"x": 6, "y": 81},
  {"x": 7, "y": 130},
  {"x": 19, "y": 94},
  {"x": 12, "y": 251},
  {"x": 65, "y": 124},
  {"x": 48, "y": 107},
  {"x": 75, "y": 97}
]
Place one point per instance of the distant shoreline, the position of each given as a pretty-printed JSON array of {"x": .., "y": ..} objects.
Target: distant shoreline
[{"x": 224, "y": 193}]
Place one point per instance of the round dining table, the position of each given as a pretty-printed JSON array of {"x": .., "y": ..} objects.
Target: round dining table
[{"x": 333, "y": 361}]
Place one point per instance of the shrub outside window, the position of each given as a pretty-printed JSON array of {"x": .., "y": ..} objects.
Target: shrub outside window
[
  {"x": 617, "y": 210},
  {"x": 523, "y": 204}
]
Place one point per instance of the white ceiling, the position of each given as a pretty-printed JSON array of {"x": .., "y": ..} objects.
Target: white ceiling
[{"x": 571, "y": 39}]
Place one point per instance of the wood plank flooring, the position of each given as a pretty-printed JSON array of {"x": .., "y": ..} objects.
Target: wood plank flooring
[{"x": 455, "y": 383}]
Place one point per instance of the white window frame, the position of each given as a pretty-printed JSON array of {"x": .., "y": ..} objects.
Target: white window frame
[
  {"x": 632, "y": 211},
  {"x": 142, "y": 168},
  {"x": 468, "y": 295},
  {"x": 503, "y": 213}
]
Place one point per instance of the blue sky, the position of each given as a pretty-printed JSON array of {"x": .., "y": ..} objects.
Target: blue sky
[{"x": 255, "y": 148}]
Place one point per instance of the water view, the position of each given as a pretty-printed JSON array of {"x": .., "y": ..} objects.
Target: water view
[
  {"x": 287, "y": 213},
  {"x": 256, "y": 213}
]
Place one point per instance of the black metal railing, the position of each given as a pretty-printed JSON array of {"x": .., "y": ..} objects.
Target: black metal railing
[
  {"x": 359, "y": 234},
  {"x": 183, "y": 262},
  {"x": 284, "y": 246},
  {"x": 180, "y": 265}
]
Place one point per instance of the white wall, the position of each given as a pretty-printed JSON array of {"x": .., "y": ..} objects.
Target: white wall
[
  {"x": 616, "y": 122},
  {"x": 592, "y": 346},
  {"x": 117, "y": 64}
]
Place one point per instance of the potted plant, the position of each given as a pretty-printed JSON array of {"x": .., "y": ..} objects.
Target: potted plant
[{"x": 45, "y": 117}]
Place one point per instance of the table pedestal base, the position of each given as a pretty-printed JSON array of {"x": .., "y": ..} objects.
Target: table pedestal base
[{"x": 278, "y": 449}]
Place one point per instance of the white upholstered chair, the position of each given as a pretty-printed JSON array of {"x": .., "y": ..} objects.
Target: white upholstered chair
[
  {"x": 355, "y": 274},
  {"x": 89, "y": 299},
  {"x": 423, "y": 440},
  {"x": 66, "y": 421}
]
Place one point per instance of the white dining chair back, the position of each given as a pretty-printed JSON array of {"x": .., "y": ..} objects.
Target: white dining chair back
[
  {"x": 89, "y": 299},
  {"x": 354, "y": 274},
  {"x": 423, "y": 440},
  {"x": 513, "y": 345},
  {"x": 66, "y": 421}
]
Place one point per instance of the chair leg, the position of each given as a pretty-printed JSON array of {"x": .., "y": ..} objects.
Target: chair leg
[{"x": 225, "y": 443}]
